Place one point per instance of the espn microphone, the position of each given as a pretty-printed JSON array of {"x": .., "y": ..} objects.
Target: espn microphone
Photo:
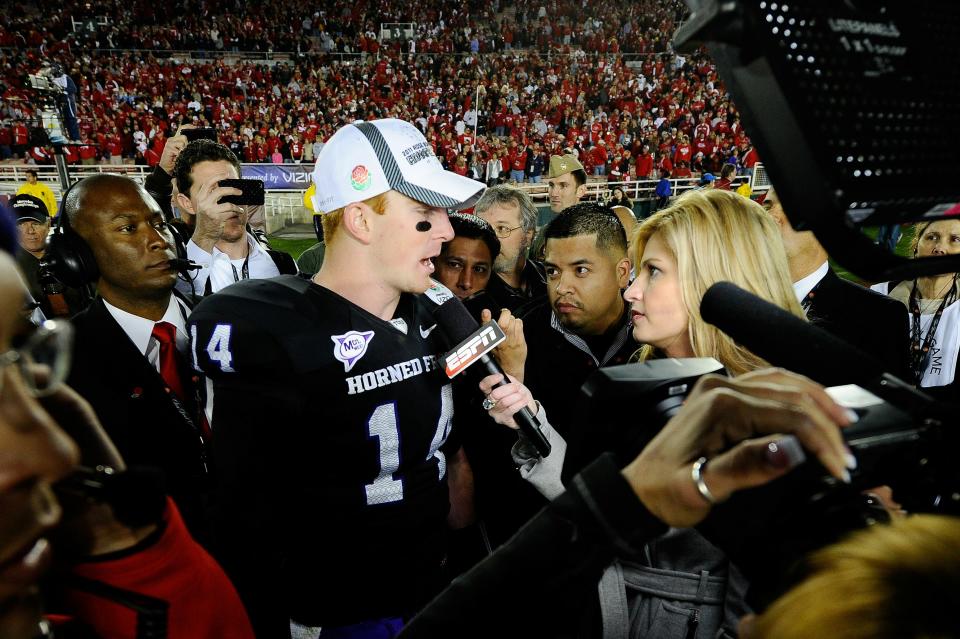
[
  {"x": 783, "y": 339},
  {"x": 474, "y": 342},
  {"x": 184, "y": 266}
]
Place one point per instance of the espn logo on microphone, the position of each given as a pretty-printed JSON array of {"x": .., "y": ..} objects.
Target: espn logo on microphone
[{"x": 484, "y": 340}]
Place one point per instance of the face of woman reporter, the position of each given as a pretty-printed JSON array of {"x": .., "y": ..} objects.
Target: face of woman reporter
[
  {"x": 34, "y": 453},
  {"x": 703, "y": 238},
  {"x": 657, "y": 313}
]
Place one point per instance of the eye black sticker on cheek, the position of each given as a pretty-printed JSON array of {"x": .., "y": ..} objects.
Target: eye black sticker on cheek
[{"x": 423, "y": 227}]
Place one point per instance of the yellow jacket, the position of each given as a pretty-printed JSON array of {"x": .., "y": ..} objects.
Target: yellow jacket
[
  {"x": 42, "y": 191},
  {"x": 308, "y": 197}
]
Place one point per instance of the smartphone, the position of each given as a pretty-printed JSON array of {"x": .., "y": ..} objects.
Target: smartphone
[
  {"x": 200, "y": 134},
  {"x": 253, "y": 193}
]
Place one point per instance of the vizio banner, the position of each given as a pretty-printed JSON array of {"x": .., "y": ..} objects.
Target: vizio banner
[{"x": 292, "y": 177}]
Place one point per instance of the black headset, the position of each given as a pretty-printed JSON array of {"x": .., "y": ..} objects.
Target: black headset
[{"x": 69, "y": 257}]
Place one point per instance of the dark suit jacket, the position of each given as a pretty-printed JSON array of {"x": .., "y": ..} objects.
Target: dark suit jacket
[
  {"x": 874, "y": 323},
  {"x": 130, "y": 399}
]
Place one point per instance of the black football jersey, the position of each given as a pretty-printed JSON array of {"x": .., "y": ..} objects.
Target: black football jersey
[{"x": 331, "y": 431}]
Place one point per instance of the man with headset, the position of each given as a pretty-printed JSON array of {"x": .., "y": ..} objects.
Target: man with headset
[{"x": 127, "y": 357}]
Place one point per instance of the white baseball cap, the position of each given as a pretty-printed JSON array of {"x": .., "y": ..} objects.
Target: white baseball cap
[{"x": 366, "y": 159}]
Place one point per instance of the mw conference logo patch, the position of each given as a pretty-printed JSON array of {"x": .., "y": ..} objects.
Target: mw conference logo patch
[
  {"x": 360, "y": 178},
  {"x": 350, "y": 347}
]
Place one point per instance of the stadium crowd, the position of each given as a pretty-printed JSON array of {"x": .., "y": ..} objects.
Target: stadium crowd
[
  {"x": 493, "y": 116},
  {"x": 220, "y": 442},
  {"x": 349, "y": 27}
]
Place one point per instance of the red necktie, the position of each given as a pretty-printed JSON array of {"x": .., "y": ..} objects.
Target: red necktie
[{"x": 166, "y": 335}]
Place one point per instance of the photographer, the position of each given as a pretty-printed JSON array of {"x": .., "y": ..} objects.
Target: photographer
[{"x": 221, "y": 244}]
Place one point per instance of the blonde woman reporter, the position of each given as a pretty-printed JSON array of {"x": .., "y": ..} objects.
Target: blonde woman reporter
[
  {"x": 704, "y": 238},
  {"x": 680, "y": 583}
]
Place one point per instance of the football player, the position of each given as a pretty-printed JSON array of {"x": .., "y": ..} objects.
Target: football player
[{"x": 332, "y": 416}]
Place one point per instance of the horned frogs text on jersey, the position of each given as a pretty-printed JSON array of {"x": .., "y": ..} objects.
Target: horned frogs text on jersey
[{"x": 337, "y": 423}]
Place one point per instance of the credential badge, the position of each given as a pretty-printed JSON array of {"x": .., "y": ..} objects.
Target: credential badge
[{"x": 350, "y": 347}]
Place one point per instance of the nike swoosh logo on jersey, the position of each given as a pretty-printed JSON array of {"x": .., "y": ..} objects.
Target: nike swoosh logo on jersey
[{"x": 425, "y": 333}]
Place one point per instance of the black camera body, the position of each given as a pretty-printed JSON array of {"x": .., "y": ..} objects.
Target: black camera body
[
  {"x": 253, "y": 192},
  {"x": 767, "y": 531}
]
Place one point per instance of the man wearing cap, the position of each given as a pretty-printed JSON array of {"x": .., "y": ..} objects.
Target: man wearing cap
[
  {"x": 567, "y": 181},
  {"x": 338, "y": 472},
  {"x": 33, "y": 226},
  {"x": 39, "y": 190}
]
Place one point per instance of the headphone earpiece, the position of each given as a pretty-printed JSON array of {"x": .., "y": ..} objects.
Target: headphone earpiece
[
  {"x": 68, "y": 255},
  {"x": 179, "y": 246}
]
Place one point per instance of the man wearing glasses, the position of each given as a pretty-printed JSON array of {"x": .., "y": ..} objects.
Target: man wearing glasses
[{"x": 519, "y": 279}]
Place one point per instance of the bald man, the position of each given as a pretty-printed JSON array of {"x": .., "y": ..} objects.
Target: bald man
[{"x": 130, "y": 357}]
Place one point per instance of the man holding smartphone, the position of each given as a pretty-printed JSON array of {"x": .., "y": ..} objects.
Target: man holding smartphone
[{"x": 221, "y": 245}]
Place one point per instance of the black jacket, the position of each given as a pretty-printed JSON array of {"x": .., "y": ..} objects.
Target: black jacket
[
  {"x": 130, "y": 399},
  {"x": 538, "y": 583},
  {"x": 499, "y": 295},
  {"x": 557, "y": 366},
  {"x": 159, "y": 184},
  {"x": 873, "y": 323}
]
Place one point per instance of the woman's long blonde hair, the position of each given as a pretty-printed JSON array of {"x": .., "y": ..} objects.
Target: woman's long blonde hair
[{"x": 718, "y": 236}]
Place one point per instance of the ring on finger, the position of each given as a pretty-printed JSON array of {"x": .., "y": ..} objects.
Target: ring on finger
[
  {"x": 488, "y": 403},
  {"x": 696, "y": 474}
]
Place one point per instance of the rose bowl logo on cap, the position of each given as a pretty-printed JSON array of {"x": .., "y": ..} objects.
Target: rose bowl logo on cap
[{"x": 360, "y": 178}]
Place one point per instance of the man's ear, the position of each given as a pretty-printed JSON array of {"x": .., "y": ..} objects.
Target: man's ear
[
  {"x": 581, "y": 191},
  {"x": 777, "y": 215},
  {"x": 184, "y": 204},
  {"x": 623, "y": 272},
  {"x": 356, "y": 221}
]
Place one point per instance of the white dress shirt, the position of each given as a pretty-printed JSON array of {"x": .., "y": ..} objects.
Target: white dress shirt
[
  {"x": 803, "y": 287},
  {"x": 140, "y": 330},
  {"x": 223, "y": 271}
]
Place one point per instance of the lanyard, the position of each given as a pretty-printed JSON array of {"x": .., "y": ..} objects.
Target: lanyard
[
  {"x": 244, "y": 270},
  {"x": 920, "y": 344}
]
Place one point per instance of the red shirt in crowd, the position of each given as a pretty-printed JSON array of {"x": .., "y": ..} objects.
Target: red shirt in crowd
[{"x": 174, "y": 569}]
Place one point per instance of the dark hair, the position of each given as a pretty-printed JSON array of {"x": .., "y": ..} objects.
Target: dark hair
[
  {"x": 589, "y": 218},
  {"x": 200, "y": 151},
  {"x": 727, "y": 171},
  {"x": 579, "y": 176},
  {"x": 32, "y": 172},
  {"x": 473, "y": 227},
  {"x": 624, "y": 200}
]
